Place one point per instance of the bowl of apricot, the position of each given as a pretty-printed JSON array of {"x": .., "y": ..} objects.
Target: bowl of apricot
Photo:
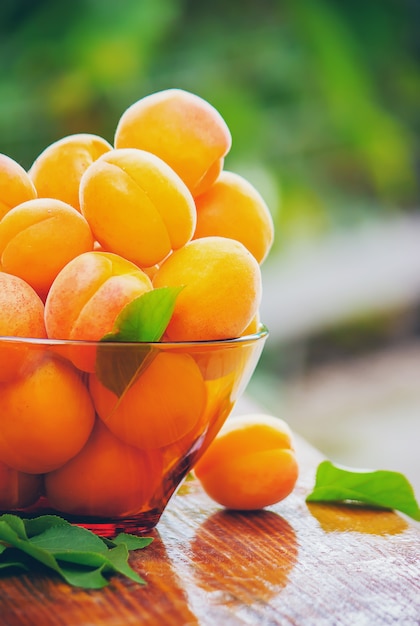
[
  {"x": 108, "y": 448},
  {"x": 130, "y": 289}
]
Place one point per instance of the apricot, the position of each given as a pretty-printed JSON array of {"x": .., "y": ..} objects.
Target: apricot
[
  {"x": 39, "y": 237},
  {"x": 137, "y": 206},
  {"x": 233, "y": 208},
  {"x": 107, "y": 478},
  {"x": 222, "y": 289},
  {"x": 57, "y": 171},
  {"x": 184, "y": 130},
  {"x": 253, "y": 327},
  {"x": 86, "y": 298},
  {"x": 17, "y": 490},
  {"x": 16, "y": 185},
  {"x": 21, "y": 315},
  {"x": 45, "y": 417},
  {"x": 250, "y": 464},
  {"x": 89, "y": 293},
  {"x": 161, "y": 406}
]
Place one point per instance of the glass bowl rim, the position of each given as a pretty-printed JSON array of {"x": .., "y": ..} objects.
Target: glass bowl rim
[{"x": 261, "y": 333}]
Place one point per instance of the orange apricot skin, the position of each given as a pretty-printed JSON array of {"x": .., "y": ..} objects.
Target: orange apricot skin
[
  {"x": 18, "y": 490},
  {"x": 57, "y": 171},
  {"x": 107, "y": 478},
  {"x": 16, "y": 185},
  {"x": 39, "y": 237},
  {"x": 253, "y": 327},
  {"x": 161, "y": 406},
  {"x": 184, "y": 130},
  {"x": 222, "y": 289},
  {"x": 89, "y": 293},
  {"x": 233, "y": 208},
  {"x": 21, "y": 315},
  {"x": 137, "y": 206},
  {"x": 251, "y": 464},
  {"x": 21, "y": 309},
  {"x": 45, "y": 417}
]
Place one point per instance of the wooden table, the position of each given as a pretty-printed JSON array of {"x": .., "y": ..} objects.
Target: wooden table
[{"x": 291, "y": 564}]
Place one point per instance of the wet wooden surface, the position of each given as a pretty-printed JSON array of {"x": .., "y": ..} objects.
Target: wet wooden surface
[{"x": 292, "y": 564}]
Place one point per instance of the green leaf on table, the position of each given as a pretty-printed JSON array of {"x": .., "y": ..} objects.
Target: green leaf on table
[
  {"x": 79, "y": 556},
  {"x": 378, "y": 488},
  {"x": 38, "y": 525},
  {"x": 12, "y": 560},
  {"x": 142, "y": 321},
  {"x": 91, "y": 578},
  {"x": 118, "y": 562},
  {"x": 16, "y": 524},
  {"x": 133, "y": 542},
  {"x": 60, "y": 540}
]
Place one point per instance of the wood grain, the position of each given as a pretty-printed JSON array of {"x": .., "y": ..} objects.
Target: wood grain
[{"x": 291, "y": 564}]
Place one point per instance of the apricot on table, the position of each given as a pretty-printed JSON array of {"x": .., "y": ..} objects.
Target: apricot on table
[
  {"x": 18, "y": 490},
  {"x": 137, "y": 206},
  {"x": 107, "y": 478},
  {"x": 233, "y": 208},
  {"x": 16, "y": 185},
  {"x": 250, "y": 464},
  {"x": 39, "y": 237},
  {"x": 161, "y": 406},
  {"x": 46, "y": 417},
  {"x": 222, "y": 289},
  {"x": 21, "y": 315},
  {"x": 57, "y": 171},
  {"x": 183, "y": 129}
]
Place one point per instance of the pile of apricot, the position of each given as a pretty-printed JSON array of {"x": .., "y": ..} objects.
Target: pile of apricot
[{"x": 90, "y": 227}]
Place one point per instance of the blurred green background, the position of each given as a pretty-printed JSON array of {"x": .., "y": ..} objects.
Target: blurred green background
[{"x": 322, "y": 98}]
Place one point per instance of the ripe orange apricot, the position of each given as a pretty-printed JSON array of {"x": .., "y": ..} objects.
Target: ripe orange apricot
[
  {"x": 21, "y": 315},
  {"x": 39, "y": 237},
  {"x": 162, "y": 405},
  {"x": 233, "y": 208},
  {"x": 107, "y": 478},
  {"x": 16, "y": 185},
  {"x": 250, "y": 464},
  {"x": 45, "y": 417},
  {"x": 137, "y": 206},
  {"x": 184, "y": 130},
  {"x": 222, "y": 289},
  {"x": 18, "y": 490},
  {"x": 57, "y": 171},
  {"x": 89, "y": 293},
  {"x": 253, "y": 326}
]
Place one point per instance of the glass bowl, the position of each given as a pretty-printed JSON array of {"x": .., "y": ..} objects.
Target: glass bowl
[{"x": 101, "y": 433}]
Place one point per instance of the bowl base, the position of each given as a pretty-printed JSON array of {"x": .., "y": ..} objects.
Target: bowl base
[{"x": 108, "y": 527}]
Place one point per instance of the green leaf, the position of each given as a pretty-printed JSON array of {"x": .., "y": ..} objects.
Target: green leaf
[
  {"x": 132, "y": 541},
  {"x": 13, "y": 559},
  {"x": 38, "y": 525},
  {"x": 81, "y": 577},
  {"x": 11, "y": 538},
  {"x": 119, "y": 369},
  {"x": 378, "y": 488},
  {"x": 146, "y": 317},
  {"x": 16, "y": 524},
  {"x": 142, "y": 321},
  {"x": 62, "y": 539},
  {"x": 79, "y": 556},
  {"x": 118, "y": 561}
]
